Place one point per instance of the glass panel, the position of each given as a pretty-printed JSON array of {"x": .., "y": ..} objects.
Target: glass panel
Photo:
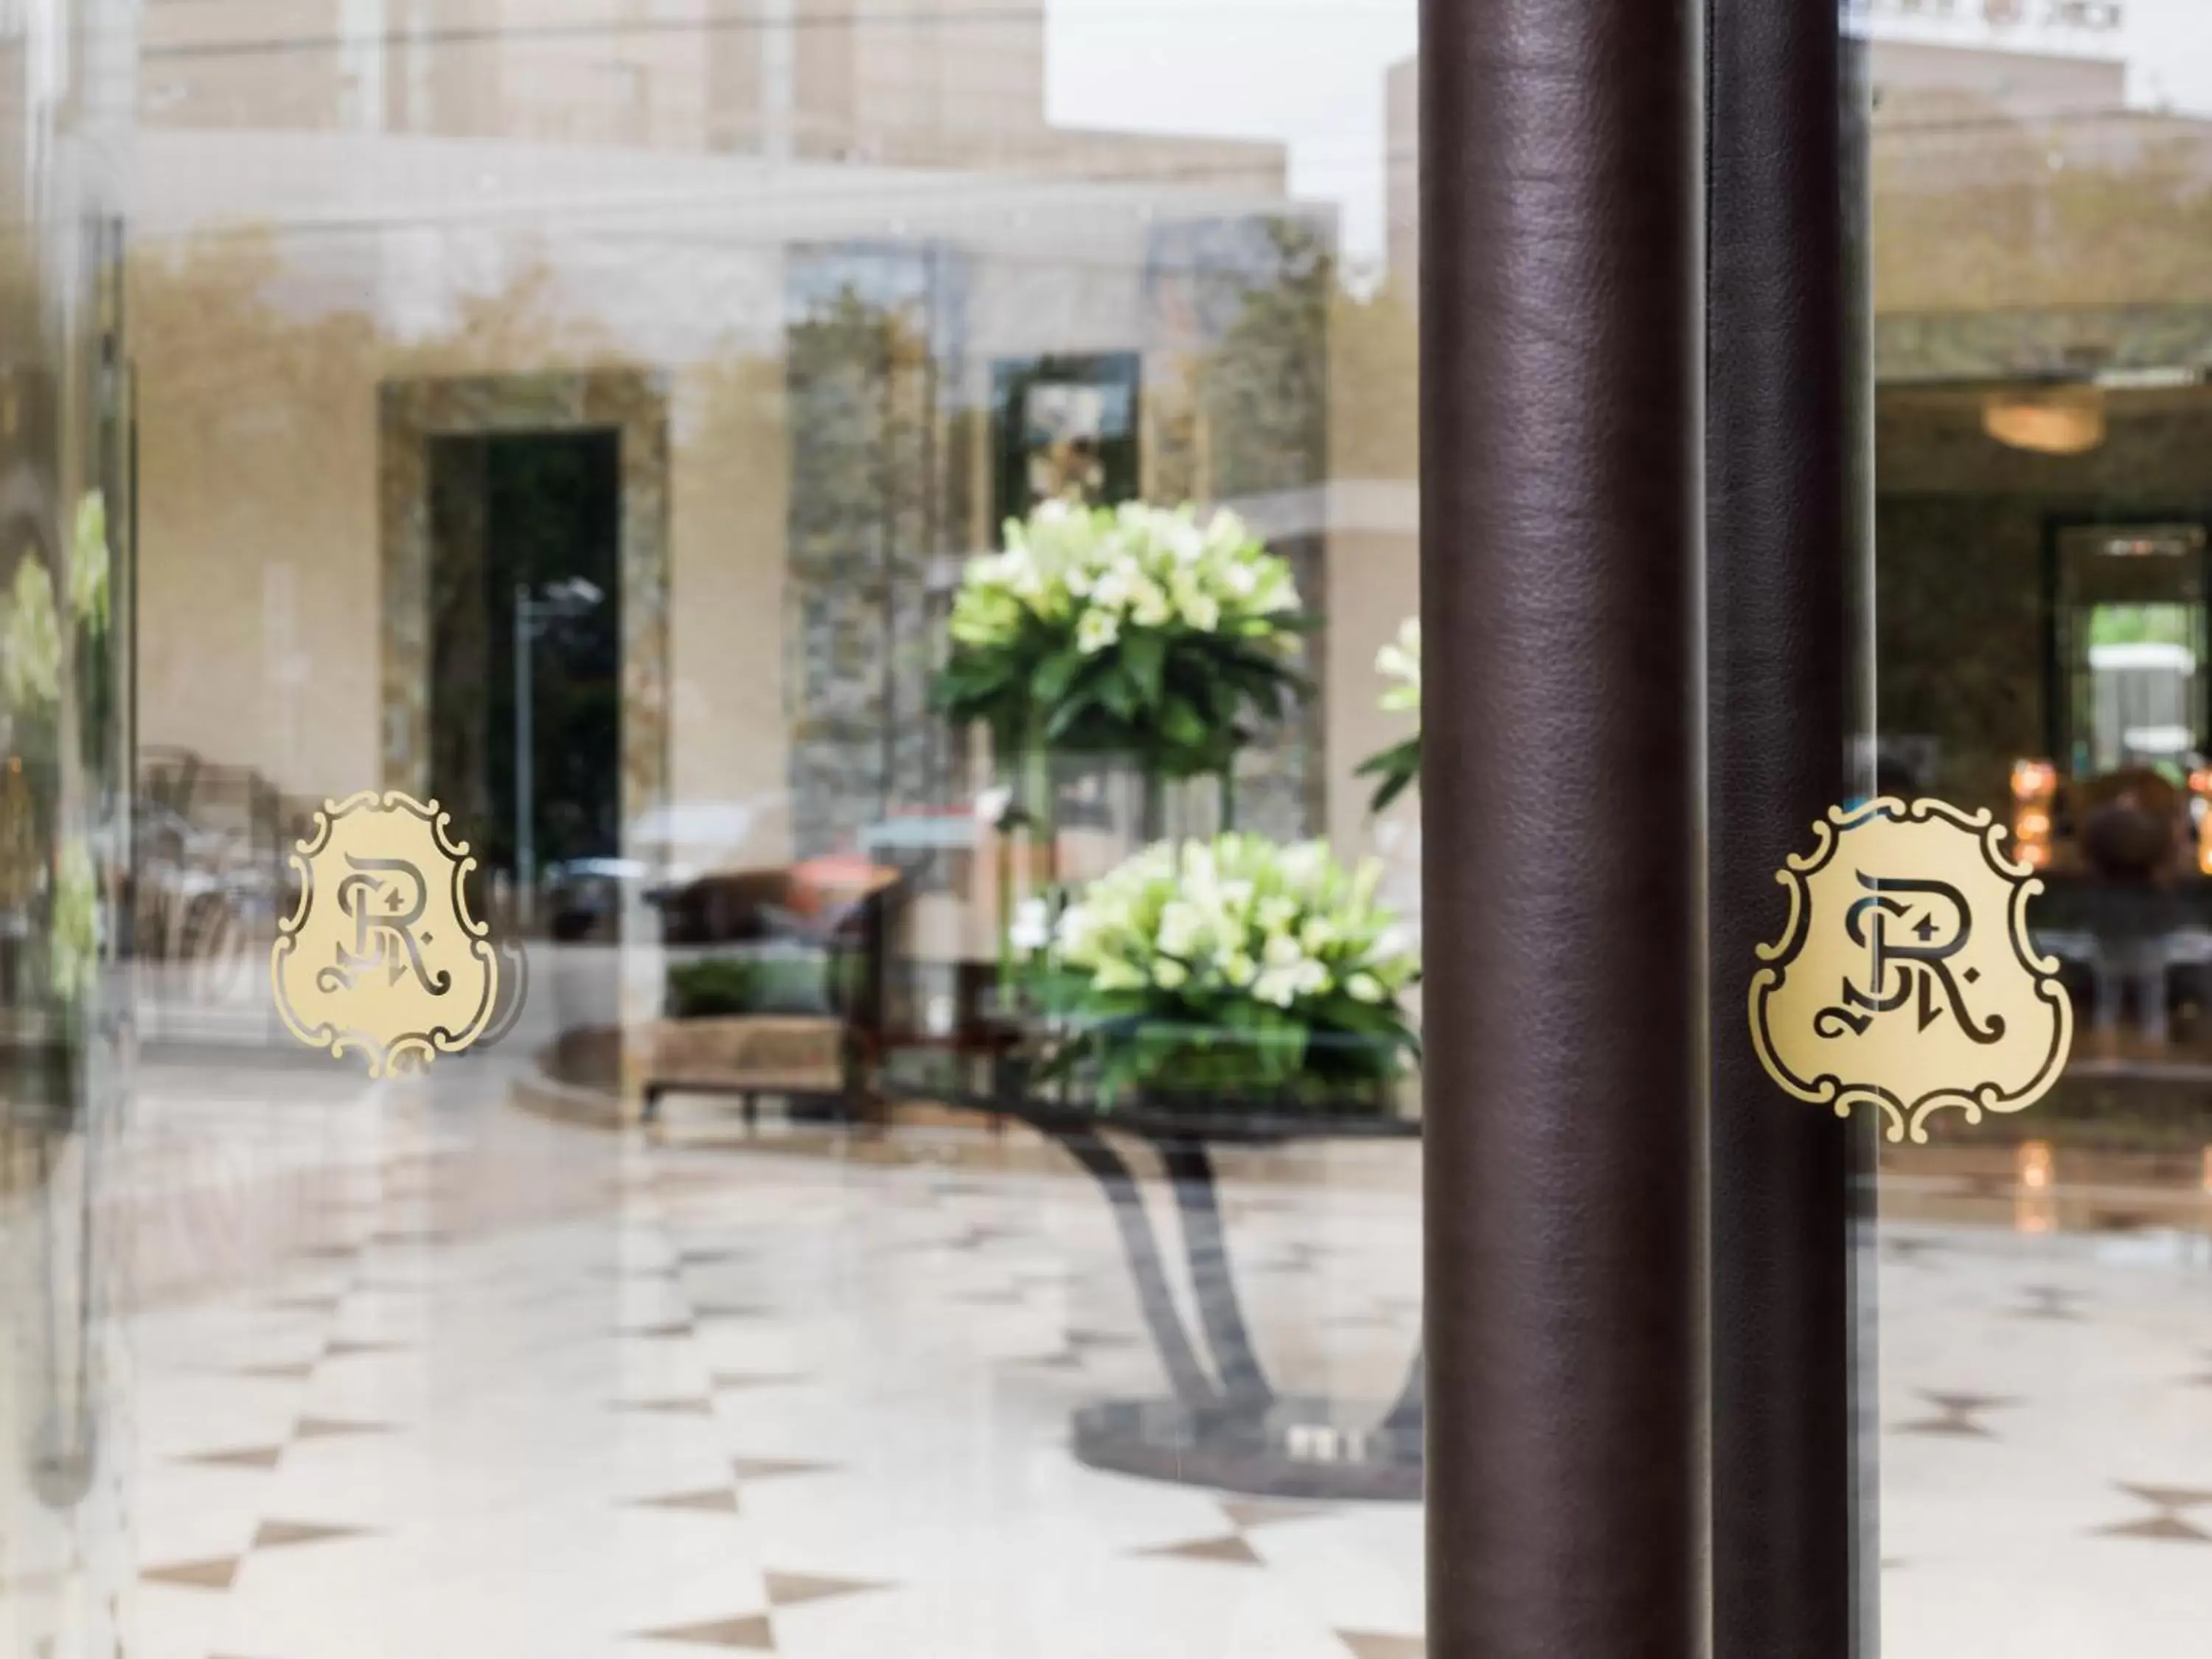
[
  {"x": 755, "y": 468},
  {"x": 67, "y": 1425},
  {"x": 2041, "y": 180}
]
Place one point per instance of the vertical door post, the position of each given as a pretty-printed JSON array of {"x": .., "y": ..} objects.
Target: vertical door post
[
  {"x": 1562, "y": 549},
  {"x": 1786, "y": 473}
]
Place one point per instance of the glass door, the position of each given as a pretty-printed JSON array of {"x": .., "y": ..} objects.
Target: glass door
[
  {"x": 2041, "y": 180},
  {"x": 699, "y": 939}
]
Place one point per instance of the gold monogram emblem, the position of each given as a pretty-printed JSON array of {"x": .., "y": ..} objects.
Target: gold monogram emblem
[
  {"x": 381, "y": 955},
  {"x": 1906, "y": 978}
]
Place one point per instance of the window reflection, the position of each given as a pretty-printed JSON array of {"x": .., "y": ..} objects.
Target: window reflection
[
  {"x": 2040, "y": 181},
  {"x": 591, "y": 416}
]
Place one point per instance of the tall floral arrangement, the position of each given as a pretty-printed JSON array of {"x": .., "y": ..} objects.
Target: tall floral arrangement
[
  {"x": 90, "y": 563},
  {"x": 1398, "y": 768},
  {"x": 1235, "y": 968},
  {"x": 1136, "y": 631},
  {"x": 31, "y": 646}
]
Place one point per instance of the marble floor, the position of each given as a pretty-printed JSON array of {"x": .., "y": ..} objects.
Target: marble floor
[{"x": 405, "y": 1372}]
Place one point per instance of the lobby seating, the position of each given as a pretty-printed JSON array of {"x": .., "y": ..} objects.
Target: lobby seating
[{"x": 776, "y": 985}]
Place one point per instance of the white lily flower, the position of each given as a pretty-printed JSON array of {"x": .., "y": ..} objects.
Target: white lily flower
[
  {"x": 1148, "y": 605},
  {"x": 1117, "y": 976},
  {"x": 1181, "y": 926},
  {"x": 1031, "y": 928}
]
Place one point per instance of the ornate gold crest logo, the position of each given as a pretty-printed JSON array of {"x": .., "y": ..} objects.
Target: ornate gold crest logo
[
  {"x": 1906, "y": 978},
  {"x": 381, "y": 955}
]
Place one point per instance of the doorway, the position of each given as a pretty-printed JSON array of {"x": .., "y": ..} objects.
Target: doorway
[
  {"x": 2127, "y": 620},
  {"x": 550, "y": 489},
  {"x": 526, "y": 635}
]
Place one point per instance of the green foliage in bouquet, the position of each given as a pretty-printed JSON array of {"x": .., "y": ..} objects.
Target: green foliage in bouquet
[
  {"x": 1398, "y": 768},
  {"x": 1131, "y": 631},
  {"x": 1230, "y": 971}
]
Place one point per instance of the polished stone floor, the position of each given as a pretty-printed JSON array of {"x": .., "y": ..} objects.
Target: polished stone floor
[{"x": 408, "y": 1372}]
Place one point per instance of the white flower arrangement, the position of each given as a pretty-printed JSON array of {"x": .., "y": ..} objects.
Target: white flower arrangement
[
  {"x": 74, "y": 932},
  {"x": 1135, "y": 630},
  {"x": 1398, "y": 768},
  {"x": 1235, "y": 964},
  {"x": 1399, "y": 663},
  {"x": 31, "y": 649},
  {"x": 89, "y": 562},
  {"x": 1111, "y": 571}
]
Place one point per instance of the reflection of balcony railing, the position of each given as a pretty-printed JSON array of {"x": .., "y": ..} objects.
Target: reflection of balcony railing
[{"x": 2100, "y": 15}]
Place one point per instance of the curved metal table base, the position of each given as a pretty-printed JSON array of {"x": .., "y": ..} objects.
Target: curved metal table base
[
  {"x": 1294, "y": 1448},
  {"x": 1225, "y": 1424}
]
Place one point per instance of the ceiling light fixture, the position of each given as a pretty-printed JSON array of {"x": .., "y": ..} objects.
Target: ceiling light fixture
[{"x": 2063, "y": 421}]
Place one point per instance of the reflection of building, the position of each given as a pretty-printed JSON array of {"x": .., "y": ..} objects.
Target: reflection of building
[
  {"x": 789, "y": 262},
  {"x": 1402, "y": 174},
  {"x": 924, "y": 83},
  {"x": 2042, "y": 256},
  {"x": 2043, "y": 330}
]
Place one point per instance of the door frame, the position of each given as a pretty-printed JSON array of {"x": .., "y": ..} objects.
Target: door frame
[{"x": 631, "y": 402}]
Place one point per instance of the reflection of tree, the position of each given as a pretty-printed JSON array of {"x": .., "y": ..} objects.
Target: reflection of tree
[
  {"x": 221, "y": 323},
  {"x": 1374, "y": 388},
  {"x": 1264, "y": 387},
  {"x": 256, "y": 397},
  {"x": 867, "y": 511},
  {"x": 206, "y": 334},
  {"x": 2143, "y": 624},
  {"x": 1974, "y": 214},
  {"x": 1249, "y": 308}
]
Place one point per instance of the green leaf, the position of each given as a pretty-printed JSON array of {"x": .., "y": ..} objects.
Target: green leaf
[
  {"x": 1397, "y": 768},
  {"x": 1182, "y": 724},
  {"x": 1057, "y": 674},
  {"x": 1120, "y": 693},
  {"x": 1145, "y": 658}
]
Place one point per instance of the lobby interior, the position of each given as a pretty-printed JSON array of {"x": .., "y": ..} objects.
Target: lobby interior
[{"x": 641, "y": 395}]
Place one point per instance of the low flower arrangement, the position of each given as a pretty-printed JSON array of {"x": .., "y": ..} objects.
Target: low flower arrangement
[
  {"x": 1397, "y": 768},
  {"x": 1134, "y": 631},
  {"x": 1235, "y": 970}
]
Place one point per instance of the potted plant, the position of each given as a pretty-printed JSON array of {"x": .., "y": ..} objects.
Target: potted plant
[
  {"x": 1228, "y": 973},
  {"x": 1134, "y": 631}
]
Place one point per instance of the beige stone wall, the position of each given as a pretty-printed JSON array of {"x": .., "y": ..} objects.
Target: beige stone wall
[
  {"x": 1373, "y": 581},
  {"x": 261, "y": 642},
  {"x": 257, "y": 525},
  {"x": 728, "y": 629},
  {"x": 1374, "y": 555},
  {"x": 259, "y": 448}
]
